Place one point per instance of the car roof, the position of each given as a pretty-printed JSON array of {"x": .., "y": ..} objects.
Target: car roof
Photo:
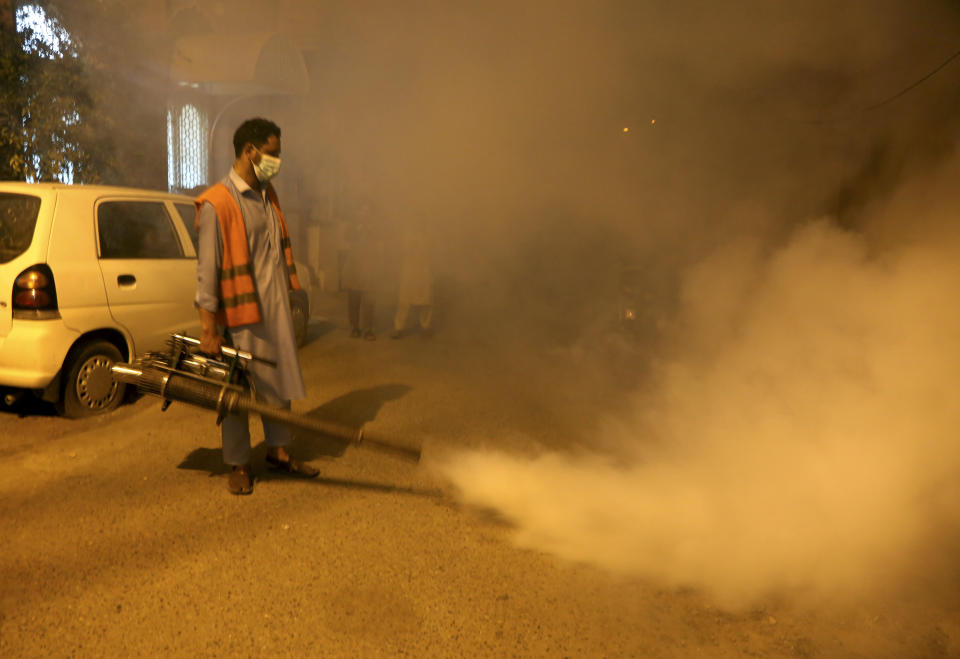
[{"x": 95, "y": 190}]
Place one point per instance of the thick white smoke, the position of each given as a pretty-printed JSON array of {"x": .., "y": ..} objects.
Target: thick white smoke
[{"x": 801, "y": 436}]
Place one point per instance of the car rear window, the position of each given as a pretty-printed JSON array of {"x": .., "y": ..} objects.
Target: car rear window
[{"x": 18, "y": 219}]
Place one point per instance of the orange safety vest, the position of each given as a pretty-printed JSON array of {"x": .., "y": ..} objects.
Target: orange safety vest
[{"x": 239, "y": 302}]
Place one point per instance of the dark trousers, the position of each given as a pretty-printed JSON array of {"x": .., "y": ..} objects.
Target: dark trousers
[{"x": 360, "y": 310}]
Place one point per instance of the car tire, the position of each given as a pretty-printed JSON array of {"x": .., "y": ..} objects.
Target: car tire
[
  {"x": 88, "y": 385},
  {"x": 301, "y": 319}
]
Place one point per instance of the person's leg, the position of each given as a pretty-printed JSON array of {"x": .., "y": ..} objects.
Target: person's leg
[
  {"x": 277, "y": 436},
  {"x": 400, "y": 319},
  {"x": 235, "y": 439},
  {"x": 366, "y": 315},
  {"x": 426, "y": 317},
  {"x": 353, "y": 311}
]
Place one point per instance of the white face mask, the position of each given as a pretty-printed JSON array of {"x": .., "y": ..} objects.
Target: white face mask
[{"x": 267, "y": 168}]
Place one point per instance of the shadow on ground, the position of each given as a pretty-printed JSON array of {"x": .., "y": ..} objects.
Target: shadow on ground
[
  {"x": 26, "y": 404},
  {"x": 353, "y": 410},
  {"x": 318, "y": 328},
  {"x": 265, "y": 475}
]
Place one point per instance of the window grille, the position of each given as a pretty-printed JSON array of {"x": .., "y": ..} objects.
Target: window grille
[{"x": 186, "y": 147}]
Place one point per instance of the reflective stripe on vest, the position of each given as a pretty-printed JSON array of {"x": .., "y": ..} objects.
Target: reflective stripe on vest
[{"x": 239, "y": 303}]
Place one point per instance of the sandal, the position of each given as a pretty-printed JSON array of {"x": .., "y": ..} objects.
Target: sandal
[
  {"x": 291, "y": 466},
  {"x": 240, "y": 480}
]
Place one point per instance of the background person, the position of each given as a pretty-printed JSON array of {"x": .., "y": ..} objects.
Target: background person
[
  {"x": 361, "y": 269},
  {"x": 415, "y": 285}
]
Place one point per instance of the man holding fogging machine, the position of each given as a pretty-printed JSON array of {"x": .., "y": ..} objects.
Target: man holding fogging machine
[{"x": 245, "y": 269}]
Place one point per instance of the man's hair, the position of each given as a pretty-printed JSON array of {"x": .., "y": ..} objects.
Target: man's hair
[{"x": 255, "y": 131}]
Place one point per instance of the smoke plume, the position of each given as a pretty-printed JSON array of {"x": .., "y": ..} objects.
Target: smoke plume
[{"x": 799, "y": 436}]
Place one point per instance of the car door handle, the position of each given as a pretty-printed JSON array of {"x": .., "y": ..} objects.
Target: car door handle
[{"x": 126, "y": 281}]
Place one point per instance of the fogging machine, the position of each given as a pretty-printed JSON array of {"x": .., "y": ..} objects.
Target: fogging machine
[{"x": 185, "y": 375}]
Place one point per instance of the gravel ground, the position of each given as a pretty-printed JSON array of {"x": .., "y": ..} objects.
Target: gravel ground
[{"x": 120, "y": 538}]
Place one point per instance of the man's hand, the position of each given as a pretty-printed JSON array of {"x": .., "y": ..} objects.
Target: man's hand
[
  {"x": 210, "y": 340},
  {"x": 210, "y": 343}
]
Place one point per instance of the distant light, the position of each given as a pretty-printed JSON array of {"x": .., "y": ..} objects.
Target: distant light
[
  {"x": 626, "y": 130},
  {"x": 653, "y": 121}
]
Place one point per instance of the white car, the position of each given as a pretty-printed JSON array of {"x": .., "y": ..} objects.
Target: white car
[{"x": 89, "y": 275}]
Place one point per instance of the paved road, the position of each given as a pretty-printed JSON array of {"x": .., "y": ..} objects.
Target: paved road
[{"x": 120, "y": 538}]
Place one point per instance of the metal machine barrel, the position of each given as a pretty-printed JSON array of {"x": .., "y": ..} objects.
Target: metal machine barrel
[{"x": 225, "y": 399}]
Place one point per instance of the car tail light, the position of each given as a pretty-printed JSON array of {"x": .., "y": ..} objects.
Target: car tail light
[{"x": 34, "y": 294}]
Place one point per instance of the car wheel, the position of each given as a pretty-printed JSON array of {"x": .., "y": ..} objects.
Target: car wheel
[
  {"x": 89, "y": 387},
  {"x": 300, "y": 320}
]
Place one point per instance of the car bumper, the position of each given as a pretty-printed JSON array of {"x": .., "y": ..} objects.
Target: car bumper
[{"x": 32, "y": 353}]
